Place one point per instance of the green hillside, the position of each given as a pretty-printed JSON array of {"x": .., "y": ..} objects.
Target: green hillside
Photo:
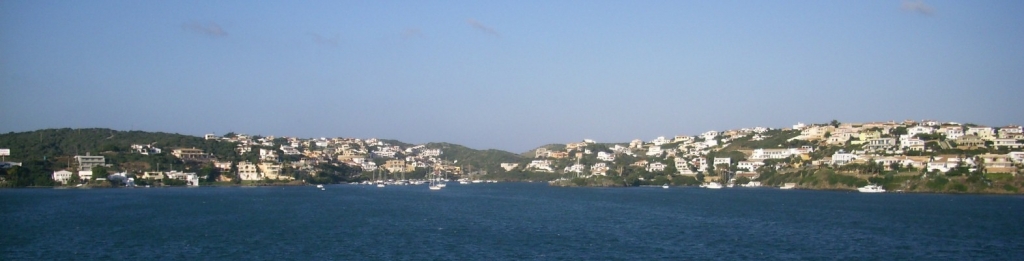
[
  {"x": 532, "y": 153},
  {"x": 489, "y": 160},
  {"x": 50, "y": 143}
]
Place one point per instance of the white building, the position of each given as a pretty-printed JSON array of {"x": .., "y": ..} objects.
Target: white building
[
  {"x": 842, "y": 158},
  {"x": 85, "y": 163},
  {"x": 599, "y": 168},
  {"x": 509, "y": 166},
  {"x": 384, "y": 152},
  {"x": 575, "y": 168},
  {"x": 660, "y": 141},
  {"x": 913, "y": 144},
  {"x": 880, "y": 144},
  {"x": 1016, "y": 156},
  {"x": 190, "y": 178},
  {"x": 709, "y": 135},
  {"x": 268, "y": 155},
  {"x": 799, "y": 126},
  {"x": 62, "y": 176},
  {"x": 763, "y": 154},
  {"x": 248, "y": 171},
  {"x": 654, "y": 151},
  {"x": 636, "y": 144},
  {"x": 953, "y": 132},
  {"x": 656, "y": 167},
  {"x": 700, "y": 162},
  {"x": 605, "y": 156},
  {"x": 431, "y": 153},
  {"x": 1010, "y": 131},
  {"x": 543, "y": 165},
  {"x": 985, "y": 133},
  {"x": 1006, "y": 143},
  {"x": 289, "y": 150},
  {"x": 681, "y": 164},
  {"x": 749, "y": 166},
  {"x": 723, "y": 161},
  {"x": 682, "y": 138},
  {"x": 368, "y": 165},
  {"x": 919, "y": 130}
]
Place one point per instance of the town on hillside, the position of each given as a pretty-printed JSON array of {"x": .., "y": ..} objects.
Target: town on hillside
[{"x": 912, "y": 156}]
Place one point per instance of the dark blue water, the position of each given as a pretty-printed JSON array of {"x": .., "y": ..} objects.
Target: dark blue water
[{"x": 504, "y": 221}]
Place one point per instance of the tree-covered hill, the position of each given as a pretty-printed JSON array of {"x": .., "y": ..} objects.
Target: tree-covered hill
[
  {"x": 34, "y": 145},
  {"x": 489, "y": 160},
  {"x": 532, "y": 153}
]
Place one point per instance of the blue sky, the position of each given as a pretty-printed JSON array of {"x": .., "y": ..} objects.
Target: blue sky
[{"x": 509, "y": 75}]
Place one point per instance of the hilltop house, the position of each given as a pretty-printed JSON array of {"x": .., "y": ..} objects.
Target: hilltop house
[
  {"x": 542, "y": 165},
  {"x": 656, "y": 167},
  {"x": 605, "y": 156},
  {"x": 191, "y": 154},
  {"x": 1009, "y": 132},
  {"x": 985, "y": 133}
]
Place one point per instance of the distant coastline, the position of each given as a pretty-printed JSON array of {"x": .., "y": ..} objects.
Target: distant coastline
[{"x": 908, "y": 156}]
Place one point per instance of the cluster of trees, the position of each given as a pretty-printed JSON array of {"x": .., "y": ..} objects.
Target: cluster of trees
[{"x": 29, "y": 174}]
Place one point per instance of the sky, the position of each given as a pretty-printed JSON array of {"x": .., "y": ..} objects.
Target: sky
[{"x": 509, "y": 75}]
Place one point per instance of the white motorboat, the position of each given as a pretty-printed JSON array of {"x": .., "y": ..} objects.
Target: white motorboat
[
  {"x": 664, "y": 186},
  {"x": 320, "y": 186},
  {"x": 713, "y": 185},
  {"x": 871, "y": 189}
]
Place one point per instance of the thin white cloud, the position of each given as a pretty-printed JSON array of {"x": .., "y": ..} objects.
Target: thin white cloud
[
  {"x": 211, "y": 29},
  {"x": 325, "y": 41},
  {"x": 481, "y": 27},
  {"x": 917, "y": 6}
]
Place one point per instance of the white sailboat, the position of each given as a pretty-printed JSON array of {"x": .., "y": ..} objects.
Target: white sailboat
[
  {"x": 442, "y": 182},
  {"x": 434, "y": 181},
  {"x": 380, "y": 182}
]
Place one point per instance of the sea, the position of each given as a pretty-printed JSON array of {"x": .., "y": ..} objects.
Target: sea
[{"x": 504, "y": 221}]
